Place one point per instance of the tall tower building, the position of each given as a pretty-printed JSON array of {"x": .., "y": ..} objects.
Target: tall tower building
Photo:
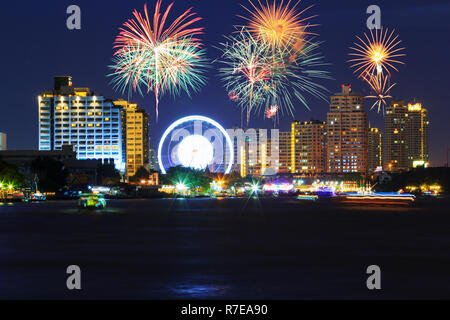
[
  {"x": 347, "y": 133},
  {"x": 135, "y": 136},
  {"x": 2, "y": 141},
  {"x": 406, "y": 136},
  {"x": 417, "y": 135},
  {"x": 308, "y": 147},
  {"x": 153, "y": 160},
  {"x": 78, "y": 117},
  {"x": 260, "y": 151},
  {"x": 375, "y": 151},
  {"x": 285, "y": 151},
  {"x": 396, "y": 135}
]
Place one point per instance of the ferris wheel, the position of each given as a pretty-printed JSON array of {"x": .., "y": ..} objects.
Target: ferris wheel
[{"x": 196, "y": 142}]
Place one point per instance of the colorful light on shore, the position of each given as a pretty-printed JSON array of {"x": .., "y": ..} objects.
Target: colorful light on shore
[
  {"x": 151, "y": 57},
  {"x": 285, "y": 187}
]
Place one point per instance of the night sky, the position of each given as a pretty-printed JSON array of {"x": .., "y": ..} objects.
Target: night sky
[{"x": 36, "y": 46}]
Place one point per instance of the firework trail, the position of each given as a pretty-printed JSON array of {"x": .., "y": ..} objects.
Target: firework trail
[
  {"x": 381, "y": 88},
  {"x": 293, "y": 79},
  {"x": 257, "y": 78},
  {"x": 379, "y": 52},
  {"x": 271, "y": 112},
  {"x": 375, "y": 58},
  {"x": 247, "y": 71},
  {"x": 157, "y": 56},
  {"x": 278, "y": 34}
]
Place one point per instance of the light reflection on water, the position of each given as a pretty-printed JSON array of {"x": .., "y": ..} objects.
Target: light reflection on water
[
  {"x": 6, "y": 203},
  {"x": 91, "y": 211},
  {"x": 198, "y": 290}
]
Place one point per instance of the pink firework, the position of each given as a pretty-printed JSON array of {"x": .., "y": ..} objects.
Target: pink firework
[{"x": 272, "y": 112}]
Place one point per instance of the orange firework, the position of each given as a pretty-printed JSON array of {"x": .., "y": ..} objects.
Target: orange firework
[
  {"x": 381, "y": 87},
  {"x": 279, "y": 25},
  {"x": 378, "y": 52}
]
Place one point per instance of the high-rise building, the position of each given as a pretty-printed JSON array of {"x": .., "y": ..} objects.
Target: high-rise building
[
  {"x": 375, "y": 151},
  {"x": 347, "y": 133},
  {"x": 308, "y": 147},
  {"x": 285, "y": 144},
  {"x": 417, "y": 135},
  {"x": 259, "y": 151},
  {"x": 406, "y": 136},
  {"x": 2, "y": 141},
  {"x": 78, "y": 117},
  {"x": 395, "y": 131},
  {"x": 153, "y": 160},
  {"x": 135, "y": 148}
]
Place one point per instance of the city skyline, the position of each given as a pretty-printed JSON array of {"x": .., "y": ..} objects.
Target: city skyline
[
  {"x": 204, "y": 153},
  {"x": 410, "y": 86}
]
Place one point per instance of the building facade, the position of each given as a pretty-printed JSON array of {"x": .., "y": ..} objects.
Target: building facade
[
  {"x": 417, "y": 129},
  {"x": 375, "y": 150},
  {"x": 347, "y": 133},
  {"x": 78, "y": 117},
  {"x": 2, "y": 141},
  {"x": 260, "y": 151},
  {"x": 406, "y": 136},
  {"x": 153, "y": 160},
  {"x": 135, "y": 148},
  {"x": 81, "y": 172},
  {"x": 284, "y": 154},
  {"x": 308, "y": 147}
]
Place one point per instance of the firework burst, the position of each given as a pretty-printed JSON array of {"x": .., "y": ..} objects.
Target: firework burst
[
  {"x": 246, "y": 71},
  {"x": 378, "y": 52},
  {"x": 381, "y": 88},
  {"x": 293, "y": 79},
  {"x": 258, "y": 78},
  {"x": 157, "y": 56},
  {"x": 271, "y": 112},
  {"x": 280, "y": 26}
]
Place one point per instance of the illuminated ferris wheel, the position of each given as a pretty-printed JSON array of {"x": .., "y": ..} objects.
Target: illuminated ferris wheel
[{"x": 196, "y": 142}]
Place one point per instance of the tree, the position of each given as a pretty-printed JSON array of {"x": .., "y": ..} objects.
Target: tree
[
  {"x": 51, "y": 174},
  {"x": 108, "y": 174},
  {"x": 141, "y": 174},
  {"x": 9, "y": 174},
  {"x": 189, "y": 177}
]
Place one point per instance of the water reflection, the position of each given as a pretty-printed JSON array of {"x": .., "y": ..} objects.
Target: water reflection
[{"x": 199, "y": 290}]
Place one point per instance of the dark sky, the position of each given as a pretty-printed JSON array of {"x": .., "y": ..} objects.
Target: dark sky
[{"x": 36, "y": 45}]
